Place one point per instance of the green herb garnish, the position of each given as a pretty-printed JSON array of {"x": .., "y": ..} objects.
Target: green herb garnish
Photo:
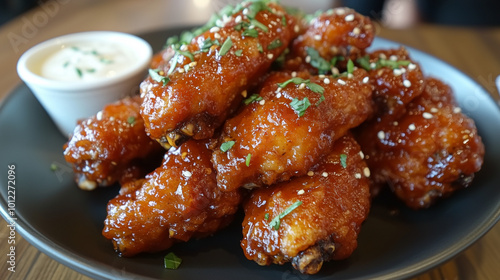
[
  {"x": 79, "y": 72},
  {"x": 238, "y": 52},
  {"x": 266, "y": 216},
  {"x": 154, "y": 73},
  {"x": 312, "y": 86},
  {"x": 247, "y": 160},
  {"x": 208, "y": 43},
  {"x": 252, "y": 98},
  {"x": 275, "y": 223},
  {"x": 343, "y": 160},
  {"x": 317, "y": 61},
  {"x": 259, "y": 47},
  {"x": 171, "y": 261},
  {"x": 226, "y": 146},
  {"x": 274, "y": 44},
  {"x": 300, "y": 106},
  {"x": 350, "y": 67},
  {"x": 131, "y": 120},
  {"x": 226, "y": 46}
]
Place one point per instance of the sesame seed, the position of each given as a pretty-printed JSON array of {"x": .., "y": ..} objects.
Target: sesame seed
[
  {"x": 216, "y": 35},
  {"x": 434, "y": 110},
  {"x": 317, "y": 37},
  {"x": 382, "y": 56},
  {"x": 245, "y": 11},
  {"x": 237, "y": 19},
  {"x": 302, "y": 86},
  {"x": 99, "y": 115},
  {"x": 366, "y": 171},
  {"x": 310, "y": 173},
  {"x": 342, "y": 82},
  {"x": 321, "y": 76},
  {"x": 262, "y": 102},
  {"x": 356, "y": 31},
  {"x": 300, "y": 192},
  {"x": 349, "y": 17},
  {"x": 397, "y": 72},
  {"x": 181, "y": 70},
  {"x": 457, "y": 110},
  {"x": 366, "y": 79},
  {"x": 412, "y": 66},
  {"x": 373, "y": 65},
  {"x": 335, "y": 71},
  {"x": 308, "y": 59},
  {"x": 186, "y": 173},
  {"x": 381, "y": 135},
  {"x": 357, "y": 176},
  {"x": 361, "y": 155},
  {"x": 326, "y": 81},
  {"x": 350, "y": 75},
  {"x": 411, "y": 127},
  {"x": 427, "y": 115},
  {"x": 407, "y": 83},
  {"x": 393, "y": 58},
  {"x": 193, "y": 64},
  {"x": 214, "y": 29},
  {"x": 324, "y": 174},
  {"x": 244, "y": 93},
  {"x": 270, "y": 56},
  {"x": 340, "y": 11},
  {"x": 296, "y": 28}
]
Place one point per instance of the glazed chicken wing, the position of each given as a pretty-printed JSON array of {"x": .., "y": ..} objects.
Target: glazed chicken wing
[
  {"x": 112, "y": 146},
  {"x": 289, "y": 127},
  {"x": 177, "y": 201},
  {"x": 428, "y": 153},
  {"x": 193, "y": 92},
  {"x": 325, "y": 210},
  {"x": 337, "y": 32},
  {"x": 397, "y": 80}
]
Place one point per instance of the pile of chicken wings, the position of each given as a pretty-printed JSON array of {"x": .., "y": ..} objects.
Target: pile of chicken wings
[{"x": 284, "y": 115}]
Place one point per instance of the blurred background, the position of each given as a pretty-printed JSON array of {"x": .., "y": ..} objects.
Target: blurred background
[{"x": 391, "y": 13}]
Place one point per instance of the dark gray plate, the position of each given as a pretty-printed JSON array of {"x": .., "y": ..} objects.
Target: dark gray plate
[{"x": 65, "y": 222}]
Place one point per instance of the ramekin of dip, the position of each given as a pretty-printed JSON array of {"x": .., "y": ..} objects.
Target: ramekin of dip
[{"x": 75, "y": 75}]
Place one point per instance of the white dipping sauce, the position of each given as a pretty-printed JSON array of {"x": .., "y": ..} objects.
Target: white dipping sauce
[{"x": 87, "y": 61}]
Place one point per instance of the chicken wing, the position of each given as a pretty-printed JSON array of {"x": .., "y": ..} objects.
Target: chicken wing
[
  {"x": 336, "y": 33},
  {"x": 177, "y": 201},
  {"x": 192, "y": 93},
  {"x": 112, "y": 146},
  {"x": 428, "y": 153},
  {"x": 310, "y": 219},
  {"x": 289, "y": 127},
  {"x": 396, "y": 78}
]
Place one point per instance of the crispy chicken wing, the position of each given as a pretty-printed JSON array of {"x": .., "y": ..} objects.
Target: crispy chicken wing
[
  {"x": 397, "y": 80},
  {"x": 112, "y": 146},
  {"x": 337, "y": 32},
  {"x": 289, "y": 127},
  {"x": 192, "y": 93},
  {"x": 327, "y": 207},
  {"x": 177, "y": 201},
  {"x": 428, "y": 153}
]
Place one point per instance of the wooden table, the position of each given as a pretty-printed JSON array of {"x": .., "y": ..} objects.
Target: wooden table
[{"x": 475, "y": 51}]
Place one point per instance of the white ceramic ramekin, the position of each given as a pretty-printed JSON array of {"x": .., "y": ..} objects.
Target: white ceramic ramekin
[{"x": 69, "y": 101}]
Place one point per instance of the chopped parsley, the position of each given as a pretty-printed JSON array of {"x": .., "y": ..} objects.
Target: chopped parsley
[
  {"x": 171, "y": 261},
  {"x": 250, "y": 33},
  {"x": 312, "y": 86},
  {"x": 275, "y": 223},
  {"x": 300, "y": 106},
  {"x": 317, "y": 61},
  {"x": 226, "y": 46},
  {"x": 275, "y": 44},
  {"x": 365, "y": 63},
  {"x": 208, "y": 43},
  {"x": 238, "y": 52},
  {"x": 252, "y": 98},
  {"x": 131, "y": 120},
  {"x": 350, "y": 67},
  {"x": 226, "y": 146},
  {"x": 266, "y": 216},
  {"x": 247, "y": 160},
  {"x": 343, "y": 160},
  {"x": 154, "y": 73}
]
